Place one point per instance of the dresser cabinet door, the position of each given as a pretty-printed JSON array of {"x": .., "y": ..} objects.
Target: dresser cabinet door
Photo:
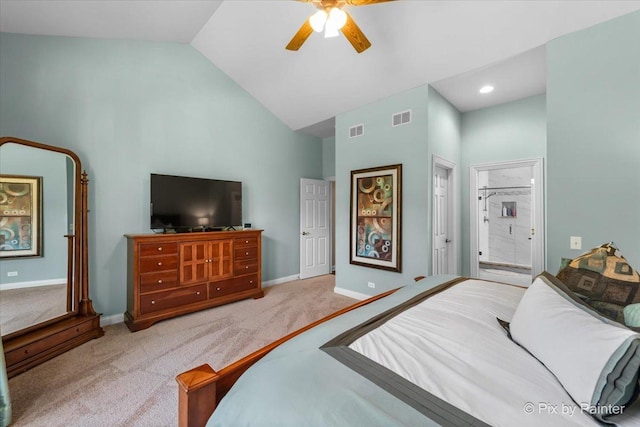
[
  {"x": 194, "y": 262},
  {"x": 221, "y": 260}
]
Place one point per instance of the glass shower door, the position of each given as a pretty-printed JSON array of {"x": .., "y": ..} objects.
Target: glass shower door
[{"x": 504, "y": 225}]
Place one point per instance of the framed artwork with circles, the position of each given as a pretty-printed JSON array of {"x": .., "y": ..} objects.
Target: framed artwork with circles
[
  {"x": 376, "y": 195},
  {"x": 20, "y": 216}
]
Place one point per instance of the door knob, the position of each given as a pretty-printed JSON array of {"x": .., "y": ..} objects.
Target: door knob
[
  {"x": 447, "y": 241},
  {"x": 305, "y": 233}
]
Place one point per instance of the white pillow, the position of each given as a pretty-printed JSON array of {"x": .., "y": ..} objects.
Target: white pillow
[{"x": 595, "y": 360}]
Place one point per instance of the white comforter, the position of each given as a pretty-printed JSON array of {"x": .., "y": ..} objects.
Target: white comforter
[{"x": 452, "y": 346}]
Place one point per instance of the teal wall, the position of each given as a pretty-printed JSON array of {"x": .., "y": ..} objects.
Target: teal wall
[
  {"x": 383, "y": 145},
  {"x": 593, "y": 169},
  {"x": 511, "y": 131},
  {"x": 434, "y": 130},
  {"x": 329, "y": 157},
  {"x": 444, "y": 140},
  {"x": 52, "y": 169},
  {"x": 129, "y": 108}
]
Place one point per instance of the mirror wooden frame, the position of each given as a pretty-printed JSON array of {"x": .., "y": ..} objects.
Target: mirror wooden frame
[{"x": 38, "y": 343}]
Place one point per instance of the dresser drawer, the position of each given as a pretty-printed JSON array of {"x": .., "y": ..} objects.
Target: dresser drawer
[
  {"x": 158, "y": 281},
  {"x": 153, "y": 249},
  {"x": 158, "y": 263},
  {"x": 245, "y": 282},
  {"x": 20, "y": 353},
  {"x": 232, "y": 286},
  {"x": 220, "y": 289},
  {"x": 245, "y": 266},
  {"x": 240, "y": 242},
  {"x": 245, "y": 252},
  {"x": 175, "y": 298}
]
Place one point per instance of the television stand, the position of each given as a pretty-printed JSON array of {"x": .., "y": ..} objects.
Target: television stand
[{"x": 174, "y": 274}]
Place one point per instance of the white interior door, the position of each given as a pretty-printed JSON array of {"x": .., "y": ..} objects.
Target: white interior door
[
  {"x": 440, "y": 220},
  {"x": 315, "y": 214},
  {"x": 444, "y": 215}
]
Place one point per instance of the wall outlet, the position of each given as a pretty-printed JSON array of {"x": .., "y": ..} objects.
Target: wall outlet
[
  {"x": 371, "y": 284},
  {"x": 12, "y": 273},
  {"x": 575, "y": 242}
]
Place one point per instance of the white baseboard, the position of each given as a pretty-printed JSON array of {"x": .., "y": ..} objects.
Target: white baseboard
[
  {"x": 111, "y": 320},
  {"x": 33, "y": 284},
  {"x": 280, "y": 280},
  {"x": 351, "y": 294}
]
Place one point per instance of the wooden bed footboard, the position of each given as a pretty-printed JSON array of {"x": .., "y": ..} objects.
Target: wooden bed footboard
[{"x": 200, "y": 389}]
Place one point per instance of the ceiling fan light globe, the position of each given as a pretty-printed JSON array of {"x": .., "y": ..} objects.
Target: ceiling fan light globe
[
  {"x": 317, "y": 20},
  {"x": 330, "y": 31},
  {"x": 337, "y": 17}
]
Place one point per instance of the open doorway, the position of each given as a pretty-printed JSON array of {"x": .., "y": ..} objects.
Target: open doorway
[{"x": 507, "y": 228}]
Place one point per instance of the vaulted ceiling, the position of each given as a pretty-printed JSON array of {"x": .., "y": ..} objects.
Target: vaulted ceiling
[{"x": 456, "y": 46}]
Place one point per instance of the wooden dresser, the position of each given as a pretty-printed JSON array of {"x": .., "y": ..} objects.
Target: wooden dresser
[{"x": 173, "y": 274}]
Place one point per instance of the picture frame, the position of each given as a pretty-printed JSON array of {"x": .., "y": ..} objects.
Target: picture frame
[
  {"x": 20, "y": 216},
  {"x": 375, "y": 226}
]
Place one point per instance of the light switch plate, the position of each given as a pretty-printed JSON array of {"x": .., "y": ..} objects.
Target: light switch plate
[{"x": 575, "y": 242}]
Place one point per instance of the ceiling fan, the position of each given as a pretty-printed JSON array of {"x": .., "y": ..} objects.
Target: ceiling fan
[{"x": 332, "y": 19}]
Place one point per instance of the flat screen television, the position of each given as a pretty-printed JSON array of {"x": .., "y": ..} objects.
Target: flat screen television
[{"x": 180, "y": 203}]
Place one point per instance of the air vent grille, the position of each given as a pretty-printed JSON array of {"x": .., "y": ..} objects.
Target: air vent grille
[
  {"x": 401, "y": 118},
  {"x": 355, "y": 131}
]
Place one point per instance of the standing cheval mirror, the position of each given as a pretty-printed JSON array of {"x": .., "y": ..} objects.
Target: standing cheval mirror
[{"x": 45, "y": 307}]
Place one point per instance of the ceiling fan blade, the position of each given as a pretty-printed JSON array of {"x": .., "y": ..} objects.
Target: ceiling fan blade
[
  {"x": 355, "y": 36},
  {"x": 301, "y": 36},
  {"x": 364, "y": 2}
]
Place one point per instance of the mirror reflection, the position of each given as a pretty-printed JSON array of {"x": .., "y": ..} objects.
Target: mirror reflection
[{"x": 34, "y": 264}]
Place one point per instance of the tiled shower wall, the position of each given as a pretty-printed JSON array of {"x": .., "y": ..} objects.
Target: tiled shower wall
[{"x": 508, "y": 236}]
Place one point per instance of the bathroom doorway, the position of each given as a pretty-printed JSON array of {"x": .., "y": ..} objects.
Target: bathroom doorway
[{"x": 507, "y": 234}]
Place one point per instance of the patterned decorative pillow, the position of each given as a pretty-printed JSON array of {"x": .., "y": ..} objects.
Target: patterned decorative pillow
[{"x": 604, "y": 279}]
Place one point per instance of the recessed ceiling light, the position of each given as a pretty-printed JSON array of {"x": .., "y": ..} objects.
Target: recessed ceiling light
[{"x": 486, "y": 89}]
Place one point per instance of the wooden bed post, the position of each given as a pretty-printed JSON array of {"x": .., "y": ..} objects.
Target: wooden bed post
[{"x": 196, "y": 396}]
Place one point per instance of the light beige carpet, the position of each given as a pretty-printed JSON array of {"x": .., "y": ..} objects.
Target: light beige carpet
[
  {"x": 128, "y": 379},
  {"x": 23, "y": 307}
]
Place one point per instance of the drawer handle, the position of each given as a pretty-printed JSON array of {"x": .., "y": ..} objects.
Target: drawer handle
[
  {"x": 246, "y": 241},
  {"x": 246, "y": 253},
  {"x": 77, "y": 329},
  {"x": 251, "y": 282},
  {"x": 217, "y": 289},
  {"x": 153, "y": 302},
  {"x": 246, "y": 267},
  {"x": 160, "y": 281},
  {"x": 159, "y": 248},
  {"x": 159, "y": 264},
  {"x": 198, "y": 293}
]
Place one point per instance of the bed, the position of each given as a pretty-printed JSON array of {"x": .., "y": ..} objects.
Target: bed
[{"x": 445, "y": 351}]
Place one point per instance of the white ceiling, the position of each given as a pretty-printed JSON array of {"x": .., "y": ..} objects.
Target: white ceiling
[{"x": 454, "y": 45}]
